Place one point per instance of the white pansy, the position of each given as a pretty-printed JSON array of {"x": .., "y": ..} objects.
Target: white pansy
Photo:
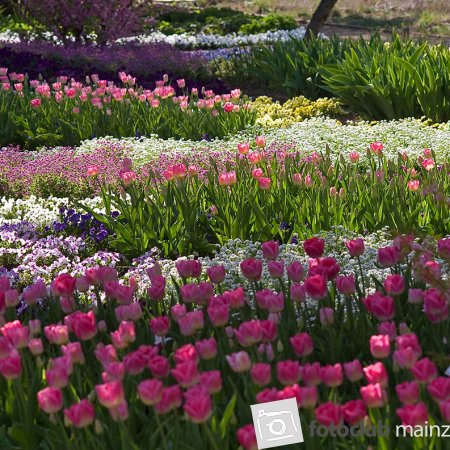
[{"x": 39, "y": 211}]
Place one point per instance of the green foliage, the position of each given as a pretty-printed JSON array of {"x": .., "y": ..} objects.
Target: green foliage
[
  {"x": 379, "y": 80},
  {"x": 270, "y": 22},
  {"x": 393, "y": 80},
  {"x": 221, "y": 21},
  {"x": 286, "y": 68}
]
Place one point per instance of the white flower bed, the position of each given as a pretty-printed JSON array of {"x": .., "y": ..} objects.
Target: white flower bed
[
  {"x": 203, "y": 40},
  {"x": 185, "y": 40},
  {"x": 408, "y": 135}
]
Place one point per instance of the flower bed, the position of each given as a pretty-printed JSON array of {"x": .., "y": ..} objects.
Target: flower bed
[
  {"x": 115, "y": 366},
  {"x": 66, "y": 112}
]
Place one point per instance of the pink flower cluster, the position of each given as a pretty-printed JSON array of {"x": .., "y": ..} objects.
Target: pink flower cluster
[{"x": 251, "y": 335}]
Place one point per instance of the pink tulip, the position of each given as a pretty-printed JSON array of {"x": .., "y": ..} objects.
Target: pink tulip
[
  {"x": 227, "y": 179},
  {"x": 373, "y": 395},
  {"x": 408, "y": 392},
  {"x": 264, "y": 183},
  {"x": 388, "y": 328},
  {"x": 186, "y": 374},
  {"x": 50, "y": 400},
  {"x": 298, "y": 292},
  {"x": 74, "y": 352},
  {"x": 424, "y": 371},
  {"x": 216, "y": 273},
  {"x": 288, "y": 372},
  {"x": 355, "y": 247},
  {"x": 381, "y": 306},
  {"x": 428, "y": 164},
  {"x": 171, "y": 399},
  {"x": 413, "y": 415},
  {"x": 270, "y": 250},
  {"x": 346, "y": 284},
  {"x": 212, "y": 380},
  {"x": 443, "y": 247},
  {"x": 80, "y": 415},
  {"x": 270, "y": 300},
  {"x": 353, "y": 370},
  {"x": 328, "y": 414},
  {"x": 415, "y": 296},
  {"x": 295, "y": 271},
  {"x": 314, "y": 247},
  {"x": 308, "y": 396},
  {"x": 189, "y": 268},
  {"x": 326, "y": 316},
  {"x": 405, "y": 358},
  {"x": 57, "y": 334},
  {"x": 218, "y": 313},
  {"x": 439, "y": 389},
  {"x": 435, "y": 305},
  {"x": 257, "y": 173},
  {"x": 332, "y": 376},
  {"x": 36, "y": 346},
  {"x": 261, "y": 374},
  {"x": 247, "y": 437},
  {"x": 198, "y": 409},
  {"x": 260, "y": 141},
  {"x": 63, "y": 285},
  {"x": 251, "y": 268},
  {"x": 316, "y": 287},
  {"x": 394, "y": 284},
  {"x": 17, "y": 334},
  {"x": 380, "y": 346},
  {"x": 239, "y": 361},
  {"x": 276, "y": 269},
  {"x": 235, "y": 298},
  {"x": 249, "y": 333},
  {"x": 376, "y": 374},
  {"x": 444, "y": 407},
  {"x": 187, "y": 352},
  {"x": 83, "y": 325},
  {"x": 11, "y": 365},
  {"x": 302, "y": 344},
  {"x": 354, "y": 412},
  {"x": 310, "y": 374},
  {"x": 377, "y": 148},
  {"x": 297, "y": 179},
  {"x": 254, "y": 157},
  {"x": 389, "y": 256},
  {"x": 110, "y": 394},
  {"x": 354, "y": 157},
  {"x": 243, "y": 148}
]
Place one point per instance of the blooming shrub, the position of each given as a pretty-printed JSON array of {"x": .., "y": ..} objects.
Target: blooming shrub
[
  {"x": 274, "y": 114},
  {"x": 97, "y": 20},
  {"x": 189, "y": 365}
]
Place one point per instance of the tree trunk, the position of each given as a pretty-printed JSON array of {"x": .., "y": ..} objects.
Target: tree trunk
[{"x": 319, "y": 17}]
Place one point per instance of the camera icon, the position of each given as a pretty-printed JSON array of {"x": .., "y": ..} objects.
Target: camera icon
[{"x": 277, "y": 423}]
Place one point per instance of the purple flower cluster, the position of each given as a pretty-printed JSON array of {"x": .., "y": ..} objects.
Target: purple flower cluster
[
  {"x": 84, "y": 225},
  {"x": 146, "y": 61},
  {"x": 61, "y": 172},
  {"x": 31, "y": 256}
]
